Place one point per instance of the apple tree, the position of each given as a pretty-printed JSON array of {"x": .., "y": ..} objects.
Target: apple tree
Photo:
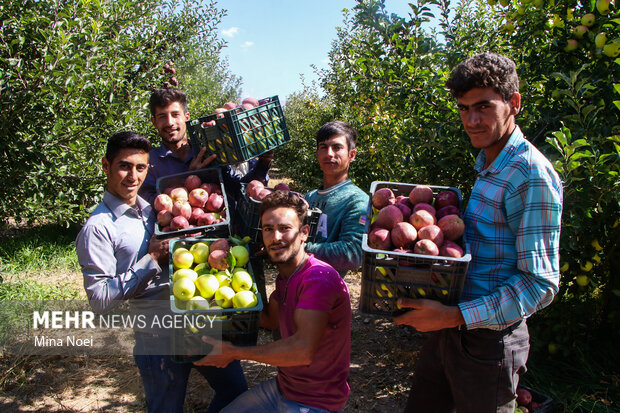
[{"x": 71, "y": 74}]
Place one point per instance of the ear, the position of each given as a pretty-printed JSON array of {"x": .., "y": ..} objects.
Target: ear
[
  {"x": 515, "y": 103},
  {"x": 353, "y": 154},
  {"x": 186, "y": 116},
  {"x": 305, "y": 232},
  {"x": 105, "y": 164},
  {"x": 153, "y": 120}
]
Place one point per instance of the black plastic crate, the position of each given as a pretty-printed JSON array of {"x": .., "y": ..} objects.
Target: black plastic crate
[
  {"x": 239, "y": 326},
  {"x": 239, "y": 135},
  {"x": 388, "y": 275},
  {"x": 211, "y": 175},
  {"x": 250, "y": 221},
  {"x": 545, "y": 402}
]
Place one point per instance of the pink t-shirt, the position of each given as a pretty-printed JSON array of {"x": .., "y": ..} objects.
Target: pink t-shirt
[{"x": 317, "y": 286}]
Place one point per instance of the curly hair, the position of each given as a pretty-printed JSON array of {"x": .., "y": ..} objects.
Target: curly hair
[
  {"x": 482, "y": 71},
  {"x": 284, "y": 199},
  {"x": 164, "y": 97}
]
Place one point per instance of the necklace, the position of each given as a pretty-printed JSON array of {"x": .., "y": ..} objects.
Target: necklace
[{"x": 288, "y": 280}]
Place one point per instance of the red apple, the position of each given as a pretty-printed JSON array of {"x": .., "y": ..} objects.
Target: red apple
[
  {"x": 163, "y": 203},
  {"x": 196, "y": 213},
  {"x": 192, "y": 182},
  {"x": 179, "y": 222},
  {"x": 426, "y": 247},
  {"x": 182, "y": 208},
  {"x": 179, "y": 193},
  {"x": 206, "y": 219},
  {"x": 262, "y": 194},
  {"x": 214, "y": 203},
  {"x": 164, "y": 217},
  {"x": 198, "y": 197}
]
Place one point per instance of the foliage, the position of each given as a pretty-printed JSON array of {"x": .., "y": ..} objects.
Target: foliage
[{"x": 72, "y": 72}]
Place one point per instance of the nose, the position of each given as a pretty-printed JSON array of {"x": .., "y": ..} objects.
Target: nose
[
  {"x": 133, "y": 174},
  {"x": 471, "y": 117}
]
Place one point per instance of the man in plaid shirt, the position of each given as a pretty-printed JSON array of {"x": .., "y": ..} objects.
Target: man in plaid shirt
[{"x": 478, "y": 349}]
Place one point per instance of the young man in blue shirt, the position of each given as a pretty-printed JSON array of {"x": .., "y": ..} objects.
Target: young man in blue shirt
[
  {"x": 338, "y": 239},
  {"x": 478, "y": 349},
  {"x": 122, "y": 260}
]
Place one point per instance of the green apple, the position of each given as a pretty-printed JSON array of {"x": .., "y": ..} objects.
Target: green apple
[
  {"x": 582, "y": 280},
  {"x": 200, "y": 251},
  {"x": 223, "y": 297},
  {"x": 197, "y": 302},
  {"x": 183, "y": 288},
  {"x": 571, "y": 45},
  {"x": 182, "y": 259},
  {"x": 237, "y": 269},
  {"x": 241, "y": 254},
  {"x": 241, "y": 281},
  {"x": 611, "y": 49},
  {"x": 223, "y": 278},
  {"x": 539, "y": 4},
  {"x": 245, "y": 299},
  {"x": 564, "y": 267},
  {"x": 207, "y": 285},
  {"x": 586, "y": 267},
  {"x": 580, "y": 31},
  {"x": 597, "y": 245},
  {"x": 600, "y": 40},
  {"x": 184, "y": 272},
  {"x": 602, "y": 6},
  {"x": 202, "y": 268},
  {"x": 588, "y": 20}
]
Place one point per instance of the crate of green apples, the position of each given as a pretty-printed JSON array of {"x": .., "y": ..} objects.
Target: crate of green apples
[{"x": 212, "y": 278}]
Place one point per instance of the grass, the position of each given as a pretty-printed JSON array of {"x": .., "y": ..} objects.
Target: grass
[{"x": 44, "y": 248}]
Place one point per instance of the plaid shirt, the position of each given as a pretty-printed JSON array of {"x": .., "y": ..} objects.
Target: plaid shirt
[{"x": 512, "y": 224}]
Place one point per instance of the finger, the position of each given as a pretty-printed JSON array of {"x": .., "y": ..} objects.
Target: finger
[
  {"x": 207, "y": 161},
  {"x": 409, "y": 303}
]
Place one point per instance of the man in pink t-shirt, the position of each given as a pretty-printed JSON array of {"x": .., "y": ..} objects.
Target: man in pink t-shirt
[{"x": 311, "y": 306}]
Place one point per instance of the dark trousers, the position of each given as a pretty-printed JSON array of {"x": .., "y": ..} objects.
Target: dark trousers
[
  {"x": 165, "y": 381},
  {"x": 469, "y": 371}
]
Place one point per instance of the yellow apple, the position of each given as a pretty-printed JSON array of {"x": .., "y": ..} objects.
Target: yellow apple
[
  {"x": 588, "y": 20},
  {"x": 586, "y": 267},
  {"x": 582, "y": 280},
  {"x": 197, "y": 302},
  {"x": 245, "y": 299},
  {"x": 571, "y": 45},
  {"x": 596, "y": 245},
  {"x": 184, "y": 272},
  {"x": 207, "y": 285},
  {"x": 241, "y": 254},
  {"x": 564, "y": 267},
  {"x": 611, "y": 49},
  {"x": 183, "y": 259},
  {"x": 600, "y": 40},
  {"x": 241, "y": 281},
  {"x": 183, "y": 288},
  {"x": 202, "y": 268},
  {"x": 223, "y": 278},
  {"x": 200, "y": 251},
  {"x": 223, "y": 297}
]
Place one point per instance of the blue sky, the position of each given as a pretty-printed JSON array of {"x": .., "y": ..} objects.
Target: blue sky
[{"x": 272, "y": 42}]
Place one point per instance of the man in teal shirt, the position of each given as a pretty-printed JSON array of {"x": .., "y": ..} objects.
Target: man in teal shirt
[{"x": 338, "y": 239}]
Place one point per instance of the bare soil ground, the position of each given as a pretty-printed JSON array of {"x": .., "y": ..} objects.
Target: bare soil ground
[{"x": 382, "y": 358}]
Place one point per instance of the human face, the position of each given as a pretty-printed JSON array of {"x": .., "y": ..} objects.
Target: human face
[
  {"x": 170, "y": 123},
  {"x": 126, "y": 173},
  {"x": 487, "y": 118},
  {"x": 283, "y": 236},
  {"x": 335, "y": 157}
]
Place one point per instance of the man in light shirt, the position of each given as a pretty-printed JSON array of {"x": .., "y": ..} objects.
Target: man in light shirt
[{"x": 478, "y": 349}]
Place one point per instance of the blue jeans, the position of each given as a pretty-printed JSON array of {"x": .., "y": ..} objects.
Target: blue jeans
[
  {"x": 266, "y": 398},
  {"x": 469, "y": 371},
  {"x": 165, "y": 381}
]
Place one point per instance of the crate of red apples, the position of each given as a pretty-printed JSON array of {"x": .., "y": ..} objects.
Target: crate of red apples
[
  {"x": 253, "y": 194},
  {"x": 414, "y": 246},
  {"x": 190, "y": 203}
]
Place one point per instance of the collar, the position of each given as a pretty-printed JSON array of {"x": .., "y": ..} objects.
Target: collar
[
  {"x": 119, "y": 208},
  {"x": 504, "y": 156},
  {"x": 335, "y": 187}
]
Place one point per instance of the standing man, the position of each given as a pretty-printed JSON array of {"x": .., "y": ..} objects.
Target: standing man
[
  {"x": 168, "y": 114},
  {"x": 339, "y": 232},
  {"x": 477, "y": 351},
  {"x": 121, "y": 260},
  {"x": 311, "y": 306}
]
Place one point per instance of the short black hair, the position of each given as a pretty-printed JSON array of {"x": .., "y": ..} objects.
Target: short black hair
[
  {"x": 161, "y": 98},
  {"x": 127, "y": 139},
  {"x": 284, "y": 199},
  {"x": 483, "y": 71},
  {"x": 337, "y": 127}
]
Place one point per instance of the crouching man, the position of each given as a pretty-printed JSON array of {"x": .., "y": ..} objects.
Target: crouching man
[{"x": 311, "y": 306}]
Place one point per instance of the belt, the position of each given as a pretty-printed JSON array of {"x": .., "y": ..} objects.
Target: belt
[{"x": 507, "y": 330}]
